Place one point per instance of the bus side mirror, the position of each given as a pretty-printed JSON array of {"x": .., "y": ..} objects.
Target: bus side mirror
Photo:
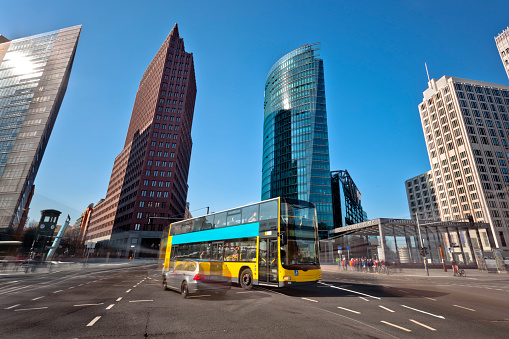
[{"x": 284, "y": 239}]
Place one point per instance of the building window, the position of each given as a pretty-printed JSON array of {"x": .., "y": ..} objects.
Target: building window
[
  {"x": 139, "y": 215},
  {"x": 142, "y": 203},
  {"x": 143, "y": 193}
]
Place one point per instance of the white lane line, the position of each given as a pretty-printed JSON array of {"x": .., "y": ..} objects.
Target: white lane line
[
  {"x": 349, "y": 310},
  {"x": 70, "y": 288},
  {"x": 109, "y": 307},
  {"x": 94, "y": 321},
  {"x": 430, "y": 298},
  {"x": 414, "y": 309},
  {"x": 344, "y": 289},
  {"x": 364, "y": 299},
  {"x": 8, "y": 308},
  {"x": 30, "y": 309},
  {"x": 129, "y": 290},
  {"x": 88, "y": 304},
  {"x": 385, "y": 308},
  {"x": 135, "y": 285},
  {"x": 390, "y": 324},
  {"x": 58, "y": 291},
  {"x": 315, "y": 301},
  {"x": 34, "y": 299},
  {"x": 466, "y": 308},
  {"x": 403, "y": 291},
  {"x": 421, "y": 324},
  {"x": 119, "y": 298},
  {"x": 138, "y": 301},
  {"x": 81, "y": 284}
]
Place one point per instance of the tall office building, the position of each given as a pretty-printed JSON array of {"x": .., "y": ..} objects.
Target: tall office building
[
  {"x": 502, "y": 41},
  {"x": 346, "y": 200},
  {"x": 422, "y": 200},
  {"x": 466, "y": 128},
  {"x": 34, "y": 73},
  {"x": 295, "y": 140},
  {"x": 149, "y": 177}
]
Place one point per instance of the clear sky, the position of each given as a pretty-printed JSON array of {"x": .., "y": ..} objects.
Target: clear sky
[{"x": 373, "y": 51}]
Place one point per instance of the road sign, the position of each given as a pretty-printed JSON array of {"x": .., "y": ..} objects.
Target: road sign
[
  {"x": 339, "y": 247},
  {"x": 348, "y": 247}
]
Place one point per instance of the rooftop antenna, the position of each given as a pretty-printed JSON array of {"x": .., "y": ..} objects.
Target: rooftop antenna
[{"x": 427, "y": 71}]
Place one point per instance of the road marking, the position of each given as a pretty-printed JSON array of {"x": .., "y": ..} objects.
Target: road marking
[
  {"x": 58, "y": 291},
  {"x": 385, "y": 308},
  {"x": 8, "y": 308},
  {"x": 364, "y": 299},
  {"x": 119, "y": 298},
  {"x": 466, "y": 308},
  {"x": 37, "y": 298},
  {"x": 421, "y": 324},
  {"x": 138, "y": 301},
  {"x": 94, "y": 321},
  {"x": 349, "y": 310},
  {"x": 135, "y": 285},
  {"x": 30, "y": 309},
  {"x": 81, "y": 284},
  {"x": 129, "y": 290},
  {"x": 403, "y": 291},
  {"x": 109, "y": 307},
  {"x": 88, "y": 304},
  {"x": 401, "y": 328},
  {"x": 70, "y": 288},
  {"x": 315, "y": 301},
  {"x": 430, "y": 298},
  {"x": 344, "y": 289},
  {"x": 434, "y": 315}
]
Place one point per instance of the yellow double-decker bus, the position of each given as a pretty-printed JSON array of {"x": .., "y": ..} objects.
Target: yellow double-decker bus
[{"x": 273, "y": 242}]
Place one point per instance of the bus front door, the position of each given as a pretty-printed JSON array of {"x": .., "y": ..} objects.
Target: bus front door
[{"x": 268, "y": 261}]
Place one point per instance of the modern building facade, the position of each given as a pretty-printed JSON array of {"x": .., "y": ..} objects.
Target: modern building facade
[
  {"x": 346, "y": 200},
  {"x": 148, "y": 184},
  {"x": 466, "y": 128},
  {"x": 34, "y": 73},
  {"x": 422, "y": 200},
  {"x": 502, "y": 41},
  {"x": 83, "y": 222},
  {"x": 295, "y": 137}
]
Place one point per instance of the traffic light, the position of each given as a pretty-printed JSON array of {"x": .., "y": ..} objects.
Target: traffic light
[{"x": 424, "y": 251}]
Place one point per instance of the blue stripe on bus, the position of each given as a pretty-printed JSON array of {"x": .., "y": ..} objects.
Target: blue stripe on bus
[{"x": 231, "y": 232}]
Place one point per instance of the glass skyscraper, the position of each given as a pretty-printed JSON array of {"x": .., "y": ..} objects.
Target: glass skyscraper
[
  {"x": 295, "y": 139},
  {"x": 34, "y": 73}
]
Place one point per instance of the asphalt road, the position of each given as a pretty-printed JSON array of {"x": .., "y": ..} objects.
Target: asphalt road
[{"x": 128, "y": 301}]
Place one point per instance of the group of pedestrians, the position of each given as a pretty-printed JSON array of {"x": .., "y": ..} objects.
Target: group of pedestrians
[{"x": 366, "y": 265}]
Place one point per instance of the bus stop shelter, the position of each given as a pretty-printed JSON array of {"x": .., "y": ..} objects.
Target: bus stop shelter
[{"x": 397, "y": 241}]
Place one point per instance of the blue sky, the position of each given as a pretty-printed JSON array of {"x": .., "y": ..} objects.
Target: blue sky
[{"x": 373, "y": 51}]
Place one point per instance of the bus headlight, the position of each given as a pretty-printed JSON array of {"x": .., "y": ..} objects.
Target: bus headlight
[{"x": 287, "y": 278}]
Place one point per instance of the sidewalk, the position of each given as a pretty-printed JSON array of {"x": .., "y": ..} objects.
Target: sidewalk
[{"x": 421, "y": 272}]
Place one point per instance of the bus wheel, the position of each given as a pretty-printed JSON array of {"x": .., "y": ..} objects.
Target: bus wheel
[
  {"x": 184, "y": 290},
  {"x": 246, "y": 279}
]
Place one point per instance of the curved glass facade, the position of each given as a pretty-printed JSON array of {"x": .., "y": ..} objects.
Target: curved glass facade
[{"x": 295, "y": 139}]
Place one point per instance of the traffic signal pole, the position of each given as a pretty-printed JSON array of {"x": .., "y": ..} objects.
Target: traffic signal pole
[{"x": 423, "y": 249}]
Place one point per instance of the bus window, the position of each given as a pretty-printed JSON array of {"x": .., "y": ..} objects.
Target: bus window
[
  {"x": 233, "y": 218},
  {"x": 197, "y": 224},
  {"x": 187, "y": 227},
  {"x": 250, "y": 214},
  {"x": 220, "y": 220},
  {"x": 268, "y": 210},
  {"x": 208, "y": 222},
  {"x": 248, "y": 250},
  {"x": 231, "y": 251}
]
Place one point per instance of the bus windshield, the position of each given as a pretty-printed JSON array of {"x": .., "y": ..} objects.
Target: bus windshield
[{"x": 301, "y": 248}]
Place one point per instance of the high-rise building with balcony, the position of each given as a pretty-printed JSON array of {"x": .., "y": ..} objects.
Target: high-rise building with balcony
[
  {"x": 34, "y": 73},
  {"x": 295, "y": 138},
  {"x": 149, "y": 177},
  {"x": 502, "y": 41},
  {"x": 466, "y": 128},
  {"x": 422, "y": 200},
  {"x": 346, "y": 200}
]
